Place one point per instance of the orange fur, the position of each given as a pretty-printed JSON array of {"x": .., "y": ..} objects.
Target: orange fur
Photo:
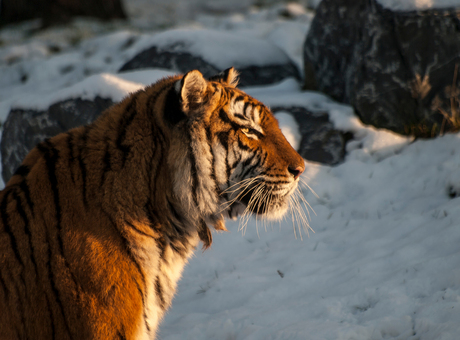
[{"x": 97, "y": 223}]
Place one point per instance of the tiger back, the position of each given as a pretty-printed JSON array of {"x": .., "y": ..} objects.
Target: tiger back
[{"x": 98, "y": 222}]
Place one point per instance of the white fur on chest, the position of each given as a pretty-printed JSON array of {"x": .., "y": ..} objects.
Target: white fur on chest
[{"x": 168, "y": 268}]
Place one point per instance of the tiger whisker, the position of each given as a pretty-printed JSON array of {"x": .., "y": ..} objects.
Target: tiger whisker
[
  {"x": 297, "y": 218},
  {"x": 303, "y": 182},
  {"x": 240, "y": 183},
  {"x": 296, "y": 195},
  {"x": 225, "y": 205},
  {"x": 292, "y": 217},
  {"x": 301, "y": 218},
  {"x": 260, "y": 203},
  {"x": 242, "y": 188},
  {"x": 248, "y": 211},
  {"x": 269, "y": 198},
  {"x": 304, "y": 200}
]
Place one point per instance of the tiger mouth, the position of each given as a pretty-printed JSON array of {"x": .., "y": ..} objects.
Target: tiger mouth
[{"x": 263, "y": 202}]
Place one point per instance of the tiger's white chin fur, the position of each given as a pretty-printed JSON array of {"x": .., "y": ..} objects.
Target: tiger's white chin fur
[{"x": 275, "y": 211}]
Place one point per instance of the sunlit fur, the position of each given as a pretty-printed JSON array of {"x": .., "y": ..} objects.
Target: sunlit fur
[{"x": 98, "y": 223}]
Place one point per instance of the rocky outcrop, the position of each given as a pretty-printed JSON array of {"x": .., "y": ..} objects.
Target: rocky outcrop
[
  {"x": 395, "y": 68},
  {"x": 258, "y": 61},
  {"x": 24, "y": 129}
]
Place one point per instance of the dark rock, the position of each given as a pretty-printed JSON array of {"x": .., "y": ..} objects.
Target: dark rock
[
  {"x": 182, "y": 53},
  {"x": 23, "y": 129},
  {"x": 395, "y": 68},
  {"x": 59, "y": 11},
  {"x": 320, "y": 141},
  {"x": 176, "y": 61}
]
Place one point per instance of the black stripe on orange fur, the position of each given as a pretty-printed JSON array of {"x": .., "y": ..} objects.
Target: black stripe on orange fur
[
  {"x": 22, "y": 171},
  {"x": 51, "y": 156},
  {"x": 107, "y": 163},
  {"x": 123, "y": 127},
  {"x": 213, "y": 170},
  {"x": 23, "y": 186},
  {"x": 82, "y": 164},
  {"x": 194, "y": 171},
  {"x": 159, "y": 291},
  {"x": 27, "y": 230},
  {"x": 8, "y": 230},
  {"x": 70, "y": 146},
  {"x": 172, "y": 111}
]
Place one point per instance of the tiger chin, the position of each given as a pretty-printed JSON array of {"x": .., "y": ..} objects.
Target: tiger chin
[{"x": 98, "y": 222}]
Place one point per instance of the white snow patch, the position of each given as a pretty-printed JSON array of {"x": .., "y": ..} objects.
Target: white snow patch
[
  {"x": 221, "y": 49},
  {"x": 289, "y": 127},
  {"x": 104, "y": 85}
]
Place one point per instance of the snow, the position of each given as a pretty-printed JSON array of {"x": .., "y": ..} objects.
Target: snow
[
  {"x": 221, "y": 49},
  {"x": 418, "y": 5},
  {"x": 105, "y": 85},
  {"x": 289, "y": 127},
  {"x": 383, "y": 261}
]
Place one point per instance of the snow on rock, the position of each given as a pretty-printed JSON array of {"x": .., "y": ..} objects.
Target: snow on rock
[
  {"x": 209, "y": 51},
  {"x": 418, "y": 5},
  {"x": 225, "y": 49},
  {"x": 289, "y": 127},
  {"x": 23, "y": 71},
  {"x": 369, "y": 143},
  {"x": 289, "y": 37},
  {"x": 105, "y": 85}
]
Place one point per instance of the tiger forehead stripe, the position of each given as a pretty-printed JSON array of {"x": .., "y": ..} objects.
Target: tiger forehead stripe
[
  {"x": 256, "y": 115},
  {"x": 238, "y": 105},
  {"x": 242, "y": 108}
]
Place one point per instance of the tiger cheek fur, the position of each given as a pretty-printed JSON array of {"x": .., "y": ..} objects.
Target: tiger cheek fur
[{"x": 98, "y": 223}]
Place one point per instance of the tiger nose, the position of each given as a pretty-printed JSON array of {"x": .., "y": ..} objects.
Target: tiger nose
[{"x": 296, "y": 171}]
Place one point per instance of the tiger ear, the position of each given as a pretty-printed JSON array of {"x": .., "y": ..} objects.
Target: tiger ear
[
  {"x": 192, "y": 89},
  {"x": 229, "y": 77}
]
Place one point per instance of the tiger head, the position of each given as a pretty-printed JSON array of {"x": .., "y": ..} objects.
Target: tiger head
[{"x": 237, "y": 160}]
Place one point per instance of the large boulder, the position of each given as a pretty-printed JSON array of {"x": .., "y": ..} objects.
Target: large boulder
[
  {"x": 25, "y": 128},
  {"x": 396, "y": 68},
  {"x": 258, "y": 61}
]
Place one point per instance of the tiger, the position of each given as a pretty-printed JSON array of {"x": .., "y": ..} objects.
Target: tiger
[{"x": 98, "y": 222}]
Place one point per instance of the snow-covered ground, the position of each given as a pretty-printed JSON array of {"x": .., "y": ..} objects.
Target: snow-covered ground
[{"x": 383, "y": 261}]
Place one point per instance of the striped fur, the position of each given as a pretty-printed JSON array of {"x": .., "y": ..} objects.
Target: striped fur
[{"x": 98, "y": 223}]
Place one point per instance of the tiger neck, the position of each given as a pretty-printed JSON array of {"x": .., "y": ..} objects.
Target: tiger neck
[
  {"x": 160, "y": 196},
  {"x": 157, "y": 176}
]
